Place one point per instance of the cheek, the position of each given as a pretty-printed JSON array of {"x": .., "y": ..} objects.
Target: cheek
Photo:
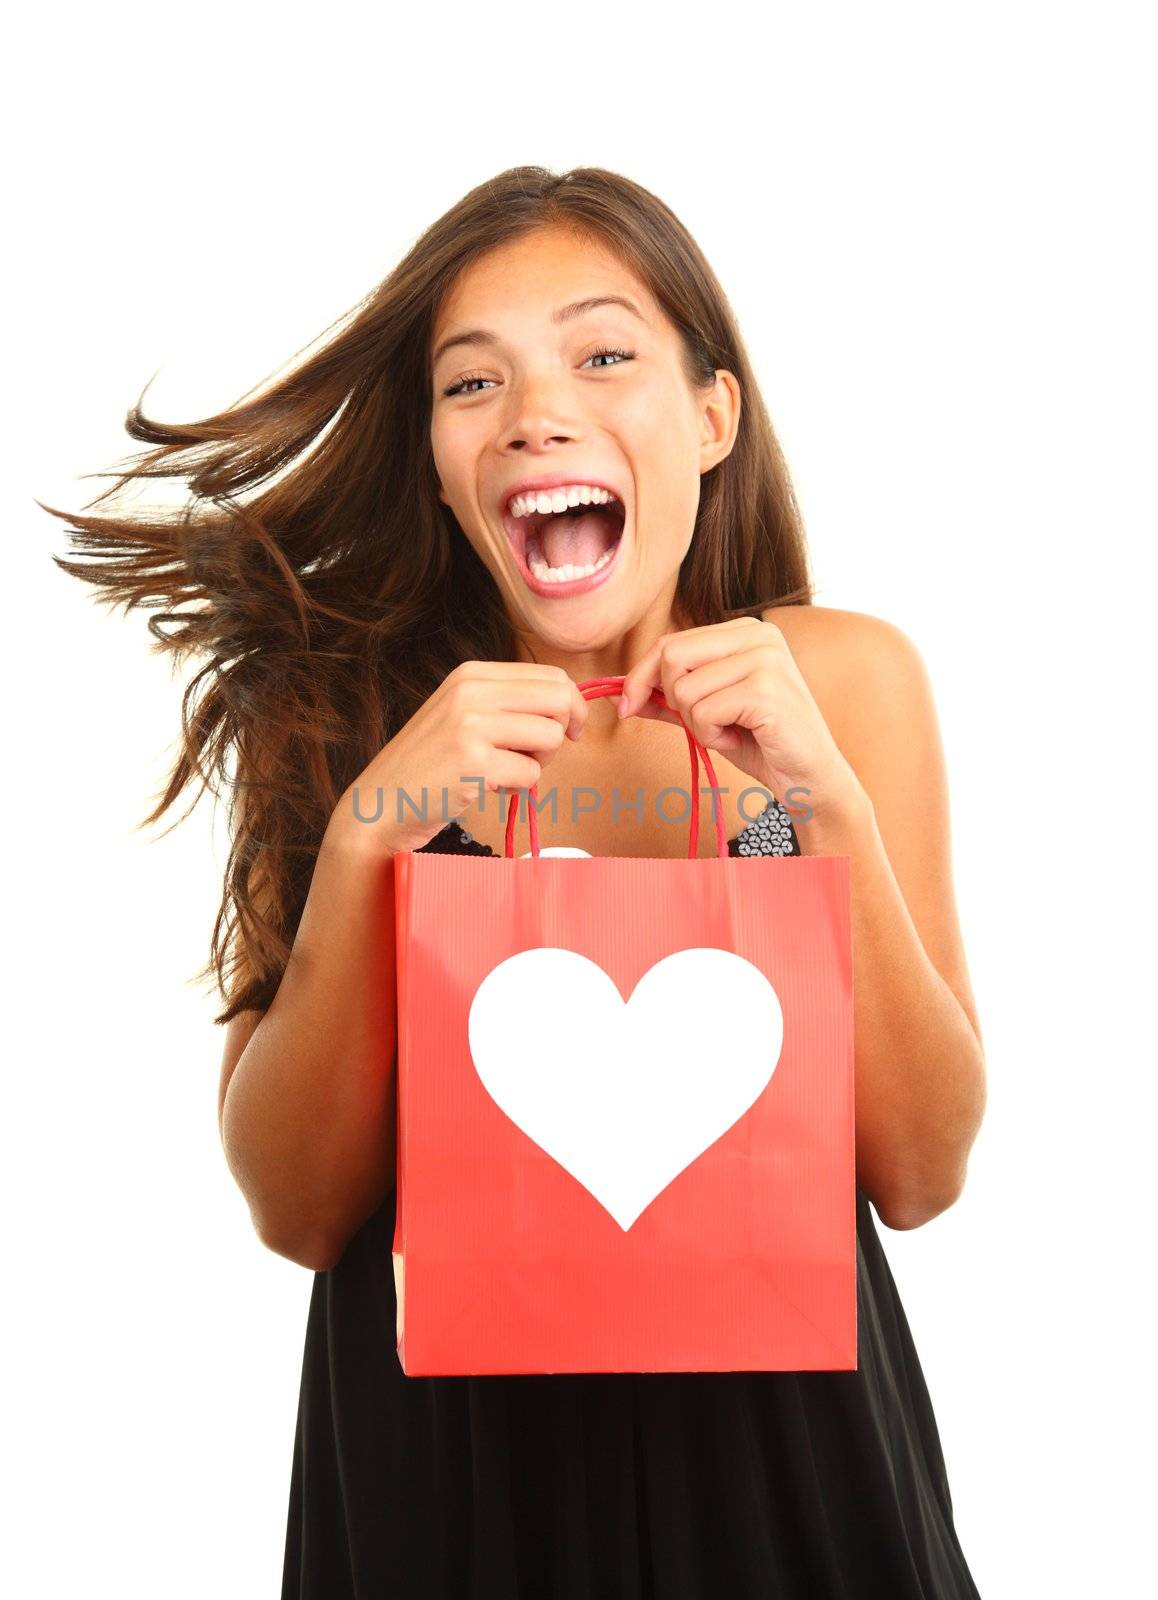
[
  {"x": 453, "y": 472},
  {"x": 658, "y": 429},
  {"x": 442, "y": 448},
  {"x": 666, "y": 465}
]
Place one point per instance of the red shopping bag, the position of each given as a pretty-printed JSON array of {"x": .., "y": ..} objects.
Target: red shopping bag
[{"x": 625, "y": 1110}]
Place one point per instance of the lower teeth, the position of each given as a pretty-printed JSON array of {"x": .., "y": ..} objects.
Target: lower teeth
[{"x": 565, "y": 574}]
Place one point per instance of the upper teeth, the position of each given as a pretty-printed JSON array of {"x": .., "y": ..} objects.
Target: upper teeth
[{"x": 543, "y": 500}]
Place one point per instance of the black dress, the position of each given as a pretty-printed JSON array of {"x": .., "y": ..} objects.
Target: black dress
[{"x": 614, "y": 1486}]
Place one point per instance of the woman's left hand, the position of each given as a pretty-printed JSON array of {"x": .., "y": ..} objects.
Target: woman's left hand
[{"x": 738, "y": 689}]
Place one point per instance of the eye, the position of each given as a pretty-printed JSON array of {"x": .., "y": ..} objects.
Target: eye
[
  {"x": 604, "y": 350},
  {"x": 611, "y": 350}
]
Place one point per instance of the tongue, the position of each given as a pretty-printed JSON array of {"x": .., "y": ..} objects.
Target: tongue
[{"x": 578, "y": 541}]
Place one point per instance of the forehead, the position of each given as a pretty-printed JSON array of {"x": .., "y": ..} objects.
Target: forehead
[{"x": 526, "y": 279}]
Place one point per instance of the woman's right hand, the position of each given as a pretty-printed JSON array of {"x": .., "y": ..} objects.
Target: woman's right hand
[{"x": 492, "y": 722}]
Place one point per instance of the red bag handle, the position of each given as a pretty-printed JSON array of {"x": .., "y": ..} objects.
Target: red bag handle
[{"x": 595, "y": 689}]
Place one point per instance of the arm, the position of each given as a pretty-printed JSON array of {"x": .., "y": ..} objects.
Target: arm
[
  {"x": 306, "y": 1102},
  {"x": 920, "y": 1064},
  {"x": 307, "y": 1105}
]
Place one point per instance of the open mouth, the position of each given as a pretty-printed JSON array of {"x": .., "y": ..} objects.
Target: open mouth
[{"x": 570, "y": 545}]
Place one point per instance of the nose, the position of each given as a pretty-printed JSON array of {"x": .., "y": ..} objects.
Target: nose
[{"x": 537, "y": 416}]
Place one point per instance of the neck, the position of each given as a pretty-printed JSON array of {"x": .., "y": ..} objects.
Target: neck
[{"x": 607, "y": 659}]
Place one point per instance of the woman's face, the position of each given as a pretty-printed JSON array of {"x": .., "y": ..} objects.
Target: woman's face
[{"x": 532, "y": 394}]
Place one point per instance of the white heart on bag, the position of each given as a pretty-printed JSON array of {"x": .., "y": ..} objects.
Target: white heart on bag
[{"x": 625, "y": 1095}]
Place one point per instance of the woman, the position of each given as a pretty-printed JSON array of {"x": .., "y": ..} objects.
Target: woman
[{"x": 387, "y": 609}]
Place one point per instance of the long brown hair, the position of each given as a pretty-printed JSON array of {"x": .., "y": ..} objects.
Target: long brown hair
[{"x": 331, "y": 603}]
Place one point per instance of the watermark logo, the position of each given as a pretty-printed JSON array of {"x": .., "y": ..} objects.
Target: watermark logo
[{"x": 584, "y": 802}]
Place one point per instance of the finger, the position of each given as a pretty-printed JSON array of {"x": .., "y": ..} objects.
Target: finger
[
  {"x": 523, "y": 731},
  {"x": 683, "y": 652},
  {"x": 580, "y": 711},
  {"x": 713, "y": 718},
  {"x": 686, "y": 690},
  {"x": 549, "y": 696},
  {"x": 652, "y": 711}
]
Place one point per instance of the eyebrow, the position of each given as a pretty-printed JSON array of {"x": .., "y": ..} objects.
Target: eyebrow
[{"x": 577, "y": 308}]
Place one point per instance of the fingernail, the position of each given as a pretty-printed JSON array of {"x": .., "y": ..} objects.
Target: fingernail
[{"x": 622, "y": 707}]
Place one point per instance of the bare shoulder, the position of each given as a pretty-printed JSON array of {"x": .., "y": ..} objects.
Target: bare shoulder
[
  {"x": 821, "y": 627},
  {"x": 870, "y": 683},
  {"x": 848, "y": 658}
]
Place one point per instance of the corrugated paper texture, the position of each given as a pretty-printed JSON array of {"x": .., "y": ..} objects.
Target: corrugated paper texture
[{"x": 504, "y": 1262}]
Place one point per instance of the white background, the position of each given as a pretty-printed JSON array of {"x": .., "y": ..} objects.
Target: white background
[{"x": 934, "y": 225}]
